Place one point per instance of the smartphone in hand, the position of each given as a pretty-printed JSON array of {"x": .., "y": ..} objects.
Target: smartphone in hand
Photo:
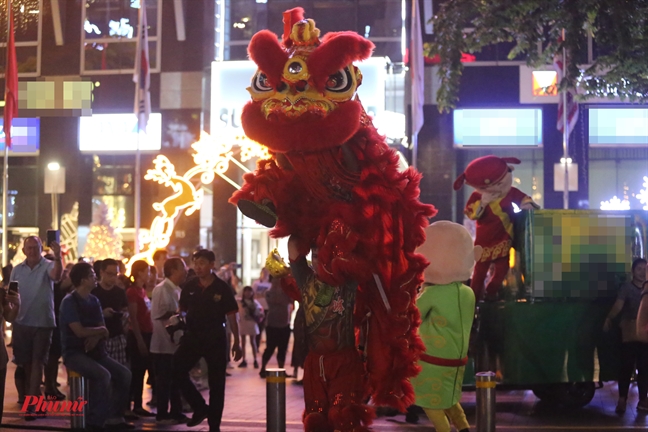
[
  {"x": 53, "y": 236},
  {"x": 13, "y": 287}
]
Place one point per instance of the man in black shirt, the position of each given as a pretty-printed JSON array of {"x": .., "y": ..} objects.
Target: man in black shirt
[
  {"x": 208, "y": 303},
  {"x": 114, "y": 304}
]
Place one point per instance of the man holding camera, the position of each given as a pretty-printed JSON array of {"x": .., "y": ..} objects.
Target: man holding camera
[
  {"x": 208, "y": 303},
  {"x": 32, "y": 329},
  {"x": 164, "y": 343}
]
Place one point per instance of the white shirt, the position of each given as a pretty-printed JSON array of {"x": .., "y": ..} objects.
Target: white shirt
[
  {"x": 165, "y": 299},
  {"x": 36, "y": 294}
]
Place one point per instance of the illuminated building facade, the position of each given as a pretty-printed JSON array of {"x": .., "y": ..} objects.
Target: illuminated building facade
[{"x": 88, "y": 46}]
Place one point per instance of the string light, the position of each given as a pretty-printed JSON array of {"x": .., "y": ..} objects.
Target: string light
[
  {"x": 642, "y": 196},
  {"x": 615, "y": 204}
]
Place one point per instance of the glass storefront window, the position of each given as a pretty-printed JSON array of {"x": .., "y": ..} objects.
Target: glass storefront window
[
  {"x": 618, "y": 184},
  {"x": 120, "y": 209},
  {"x": 109, "y": 35},
  {"x": 378, "y": 20},
  {"x": 528, "y": 176},
  {"x": 254, "y": 245},
  {"x": 27, "y": 33},
  {"x": 113, "y": 181},
  {"x": 113, "y": 185},
  {"x": 22, "y": 197}
]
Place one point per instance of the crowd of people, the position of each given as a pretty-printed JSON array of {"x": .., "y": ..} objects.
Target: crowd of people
[{"x": 113, "y": 328}]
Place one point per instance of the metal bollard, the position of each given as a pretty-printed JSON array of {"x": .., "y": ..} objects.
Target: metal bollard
[
  {"x": 485, "y": 384},
  {"x": 78, "y": 389},
  {"x": 276, "y": 400}
]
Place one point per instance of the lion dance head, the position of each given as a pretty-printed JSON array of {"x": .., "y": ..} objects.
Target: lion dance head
[{"x": 303, "y": 92}]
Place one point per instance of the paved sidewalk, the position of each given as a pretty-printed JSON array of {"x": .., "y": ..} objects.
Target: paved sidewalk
[{"x": 245, "y": 410}]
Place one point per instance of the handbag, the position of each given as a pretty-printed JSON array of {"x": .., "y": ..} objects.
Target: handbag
[{"x": 259, "y": 316}]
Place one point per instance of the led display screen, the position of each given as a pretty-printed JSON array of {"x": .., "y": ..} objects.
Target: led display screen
[
  {"x": 118, "y": 133},
  {"x": 497, "y": 127},
  {"x": 613, "y": 127},
  {"x": 25, "y": 136}
]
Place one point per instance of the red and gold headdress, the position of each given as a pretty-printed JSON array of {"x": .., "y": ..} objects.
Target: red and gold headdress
[{"x": 304, "y": 84}]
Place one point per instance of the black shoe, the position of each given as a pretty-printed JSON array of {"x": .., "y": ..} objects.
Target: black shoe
[
  {"x": 120, "y": 426},
  {"x": 130, "y": 415},
  {"x": 264, "y": 214},
  {"x": 143, "y": 413},
  {"x": 243, "y": 364},
  {"x": 198, "y": 417},
  {"x": 411, "y": 418},
  {"x": 32, "y": 414},
  {"x": 181, "y": 418}
]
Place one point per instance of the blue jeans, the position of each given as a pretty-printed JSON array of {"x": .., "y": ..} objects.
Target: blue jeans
[{"x": 106, "y": 401}]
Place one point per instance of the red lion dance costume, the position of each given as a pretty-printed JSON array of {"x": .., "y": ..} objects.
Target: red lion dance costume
[{"x": 333, "y": 185}]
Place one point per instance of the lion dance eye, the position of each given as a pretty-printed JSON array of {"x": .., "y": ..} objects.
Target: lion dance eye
[
  {"x": 260, "y": 83},
  {"x": 340, "y": 81}
]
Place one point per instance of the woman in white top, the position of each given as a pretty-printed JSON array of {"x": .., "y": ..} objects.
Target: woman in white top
[{"x": 251, "y": 313}]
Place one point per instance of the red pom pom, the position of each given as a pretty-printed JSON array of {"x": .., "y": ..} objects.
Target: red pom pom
[{"x": 316, "y": 422}]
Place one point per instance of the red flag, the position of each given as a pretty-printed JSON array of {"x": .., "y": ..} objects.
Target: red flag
[
  {"x": 11, "y": 82},
  {"x": 572, "y": 105}
]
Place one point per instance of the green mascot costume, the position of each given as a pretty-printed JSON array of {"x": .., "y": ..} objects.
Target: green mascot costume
[{"x": 447, "y": 309}]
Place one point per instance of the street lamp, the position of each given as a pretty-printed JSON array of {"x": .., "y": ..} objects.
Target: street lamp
[{"x": 55, "y": 185}]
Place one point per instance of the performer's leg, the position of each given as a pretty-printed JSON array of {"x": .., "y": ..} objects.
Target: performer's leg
[
  {"x": 478, "y": 278},
  {"x": 501, "y": 268},
  {"x": 457, "y": 417},
  {"x": 438, "y": 419},
  {"x": 344, "y": 374},
  {"x": 315, "y": 399}
]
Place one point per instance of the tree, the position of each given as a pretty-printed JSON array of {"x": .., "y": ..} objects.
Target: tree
[
  {"x": 619, "y": 29},
  {"x": 103, "y": 242}
]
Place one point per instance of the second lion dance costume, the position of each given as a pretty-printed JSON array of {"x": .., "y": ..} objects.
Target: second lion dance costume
[{"x": 333, "y": 185}]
